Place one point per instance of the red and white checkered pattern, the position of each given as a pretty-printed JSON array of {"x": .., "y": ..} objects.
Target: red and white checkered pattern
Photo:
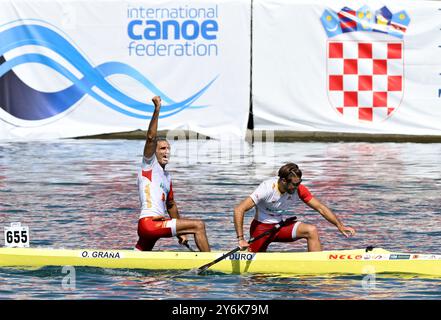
[{"x": 365, "y": 79}]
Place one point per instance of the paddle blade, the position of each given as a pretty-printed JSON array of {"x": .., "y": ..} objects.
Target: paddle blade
[
  {"x": 191, "y": 272},
  {"x": 201, "y": 270}
]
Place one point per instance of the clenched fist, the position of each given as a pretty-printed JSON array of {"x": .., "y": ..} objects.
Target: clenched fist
[{"x": 157, "y": 102}]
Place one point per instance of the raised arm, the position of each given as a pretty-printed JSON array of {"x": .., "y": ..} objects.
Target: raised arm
[
  {"x": 239, "y": 212},
  {"x": 150, "y": 143}
]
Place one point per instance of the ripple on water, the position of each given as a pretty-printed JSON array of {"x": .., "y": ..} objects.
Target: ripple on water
[{"x": 388, "y": 192}]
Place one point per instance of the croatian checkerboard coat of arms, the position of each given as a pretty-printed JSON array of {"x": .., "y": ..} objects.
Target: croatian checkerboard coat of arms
[{"x": 365, "y": 62}]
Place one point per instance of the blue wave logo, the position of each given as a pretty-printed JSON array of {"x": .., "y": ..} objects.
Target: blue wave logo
[{"x": 26, "y": 103}]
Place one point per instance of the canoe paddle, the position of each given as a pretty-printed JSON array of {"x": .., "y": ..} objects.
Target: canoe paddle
[
  {"x": 226, "y": 255},
  {"x": 188, "y": 246}
]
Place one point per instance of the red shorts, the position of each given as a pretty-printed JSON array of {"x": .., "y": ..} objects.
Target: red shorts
[
  {"x": 149, "y": 231},
  {"x": 287, "y": 233}
]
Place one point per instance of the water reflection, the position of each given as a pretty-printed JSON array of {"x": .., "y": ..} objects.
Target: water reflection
[{"x": 83, "y": 194}]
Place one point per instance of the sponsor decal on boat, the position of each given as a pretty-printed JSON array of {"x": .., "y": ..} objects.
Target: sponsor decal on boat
[
  {"x": 375, "y": 257},
  {"x": 345, "y": 257},
  {"x": 425, "y": 257},
  {"x": 242, "y": 256},
  {"x": 101, "y": 254},
  {"x": 399, "y": 257}
]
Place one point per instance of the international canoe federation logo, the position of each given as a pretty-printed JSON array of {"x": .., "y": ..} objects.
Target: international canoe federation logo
[
  {"x": 23, "y": 102},
  {"x": 365, "y": 70}
]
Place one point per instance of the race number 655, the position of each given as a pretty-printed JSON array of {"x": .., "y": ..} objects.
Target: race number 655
[{"x": 16, "y": 236}]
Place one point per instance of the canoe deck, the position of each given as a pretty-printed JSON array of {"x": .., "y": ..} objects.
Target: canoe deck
[{"x": 306, "y": 263}]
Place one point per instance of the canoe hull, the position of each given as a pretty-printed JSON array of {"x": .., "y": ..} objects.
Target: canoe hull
[{"x": 306, "y": 263}]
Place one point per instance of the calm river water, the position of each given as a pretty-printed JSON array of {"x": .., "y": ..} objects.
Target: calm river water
[{"x": 83, "y": 194}]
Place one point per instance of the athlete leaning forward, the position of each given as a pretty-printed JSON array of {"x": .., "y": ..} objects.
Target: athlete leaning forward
[
  {"x": 159, "y": 216},
  {"x": 272, "y": 198}
]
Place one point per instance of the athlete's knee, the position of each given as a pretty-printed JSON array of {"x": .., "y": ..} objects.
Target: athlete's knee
[
  {"x": 200, "y": 226},
  {"x": 312, "y": 231}
]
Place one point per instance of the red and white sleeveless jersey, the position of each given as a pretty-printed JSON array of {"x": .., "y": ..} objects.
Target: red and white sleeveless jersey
[
  {"x": 155, "y": 188},
  {"x": 271, "y": 204}
]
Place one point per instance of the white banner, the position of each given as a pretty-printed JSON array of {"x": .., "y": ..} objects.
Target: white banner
[
  {"x": 347, "y": 66},
  {"x": 78, "y": 68}
]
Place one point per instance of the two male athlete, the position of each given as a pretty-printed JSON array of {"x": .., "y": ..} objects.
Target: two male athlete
[
  {"x": 159, "y": 216},
  {"x": 272, "y": 198}
]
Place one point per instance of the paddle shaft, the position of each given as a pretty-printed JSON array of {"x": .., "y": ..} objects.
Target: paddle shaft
[
  {"x": 188, "y": 246},
  {"x": 226, "y": 255}
]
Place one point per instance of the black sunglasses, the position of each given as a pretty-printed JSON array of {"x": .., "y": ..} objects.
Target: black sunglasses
[{"x": 296, "y": 184}]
